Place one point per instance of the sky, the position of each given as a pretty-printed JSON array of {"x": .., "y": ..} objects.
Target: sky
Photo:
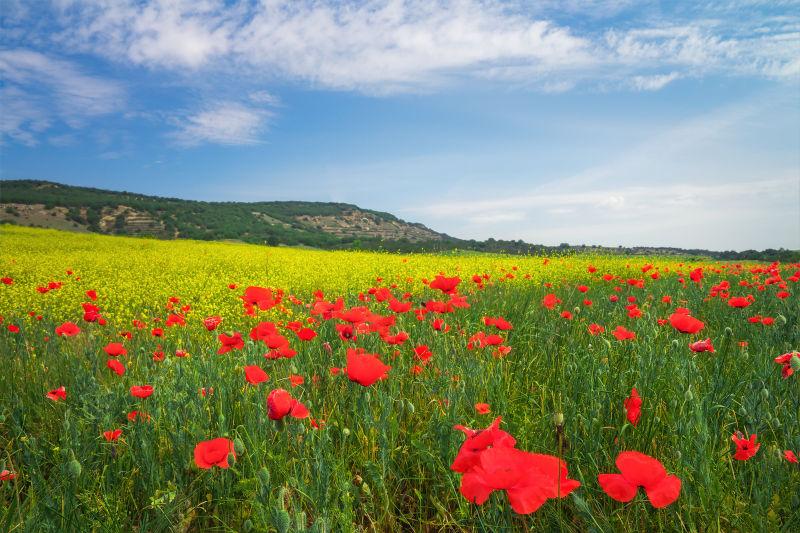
[{"x": 608, "y": 122}]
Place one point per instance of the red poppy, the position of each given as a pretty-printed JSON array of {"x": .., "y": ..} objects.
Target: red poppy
[
  {"x": 112, "y": 435},
  {"x": 212, "y": 322},
  {"x": 230, "y": 342},
  {"x": 115, "y": 366},
  {"x": 7, "y": 281},
  {"x": 67, "y": 329},
  {"x": 141, "y": 391},
  {"x": 255, "y": 375},
  {"x": 477, "y": 441},
  {"x": 550, "y": 301},
  {"x": 529, "y": 479},
  {"x": 57, "y": 394},
  {"x": 92, "y": 295},
  {"x": 702, "y": 346},
  {"x": 261, "y": 297},
  {"x": 596, "y": 329},
  {"x": 365, "y": 368},
  {"x": 7, "y": 475},
  {"x": 306, "y": 334},
  {"x": 115, "y": 349},
  {"x": 790, "y": 456},
  {"x": 789, "y": 361},
  {"x": 623, "y": 334},
  {"x": 213, "y": 452},
  {"x": 633, "y": 407},
  {"x": 640, "y": 470},
  {"x": 745, "y": 448},
  {"x": 280, "y": 404},
  {"x": 296, "y": 380},
  {"x": 399, "y": 307},
  {"x": 446, "y": 285},
  {"x": 482, "y": 408},
  {"x": 175, "y": 320},
  {"x": 13, "y": 329},
  {"x": 739, "y": 302},
  {"x": 685, "y": 323},
  {"x": 499, "y": 322}
]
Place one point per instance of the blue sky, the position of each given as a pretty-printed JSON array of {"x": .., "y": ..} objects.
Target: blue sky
[{"x": 614, "y": 122}]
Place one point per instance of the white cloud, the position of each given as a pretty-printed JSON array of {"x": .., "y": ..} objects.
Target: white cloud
[
  {"x": 653, "y": 83},
  {"x": 40, "y": 90},
  {"x": 222, "y": 123},
  {"x": 380, "y": 46}
]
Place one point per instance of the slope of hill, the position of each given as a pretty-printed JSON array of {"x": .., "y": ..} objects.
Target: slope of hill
[
  {"x": 324, "y": 225},
  {"x": 317, "y": 224}
]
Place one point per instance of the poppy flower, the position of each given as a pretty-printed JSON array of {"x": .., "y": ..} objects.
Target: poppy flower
[
  {"x": 67, "y": 329},
  {"x": 115, "y": 349},
  {"x": 296, "y": 380},
  {"x": 175, "y": 320},
  {"x": 261, "y": 297},
  {"x": 640, "y": 470},
  {"x": 529, "y": 479},
  {"x": 7, "y": 281},
  {"x": 745, "y": 448},
  {"x": 92, "y": 295},
  {"x": 790, "y": 456},
  {"x": 365, "y": 368},
  {"x": 213, "y": 452},
  {"x": 423, "y": 353},
  {"x": 141, "y": 391},
  {"x": 623, "y": 334},
  {"x": 738, "y": 302},
  {"x": 230, "y": 342},
  {"x": 7, "y": 475},
  {"x": 702, "y": 346},
  {"x": 482, "y": 408},
  {"x": 306, "y": 334},
  {"x": 789, "y": 361},
  {"x": 550, "y": 301},
  {"x": 57, "y": 394},
  {"x": 596, "y": 329},
  {"x": 477, "y": 441},
  {"x": 498, "y": 322},
  {"x": 112, "y": 435},
  {"x": 444, "y": 284},
  {"x": 280, "y": 404},
  {"x": 396, "y": 306},
  {"x": 255, "y": 375},
  {"x": 115, "y": 366},
  {"x": 685, "y": 323},
  {"x": 633, "y": 407},
  {"x": 212, "y": 322}
]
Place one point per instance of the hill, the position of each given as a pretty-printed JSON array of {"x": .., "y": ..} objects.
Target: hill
[{"x": 316, "y": 224}]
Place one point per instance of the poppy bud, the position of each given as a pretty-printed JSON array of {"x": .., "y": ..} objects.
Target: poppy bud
[
  {"x": 345, "y": 432},
  {"x": 675, "y": 343},
  {"x": 238, "y": 446},
  {"x": 742, "y": 411},
  {"x": 263, "y": 476},
  {"x": 221, "y": 420},
  {"x": 781, "y": 320},
  {"x": 576, "y": 310},
  {"x": 247, "y": 526},
  {"x": 794, "y": 362},
  {"x": 73, "y": 468},
  {"x": 366, "y": 490},
  {"x": 231, "y": 458},
  {"x": 410, "y": 407},
  {"x": 293, "y": 369},
  {"x": 558, "y": 419},
  {"x": 678, "y": 455},
  {"x": 765, "y": 393},
  {"x": 728, "y": 331},
  {"x": 282, "y": 520}
]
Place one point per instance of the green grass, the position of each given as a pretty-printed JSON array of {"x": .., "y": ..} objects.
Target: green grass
[{"x": 382, "y": 460}]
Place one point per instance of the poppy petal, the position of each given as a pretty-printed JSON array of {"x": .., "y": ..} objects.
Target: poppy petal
[
  {"x": 617, "y": 487},
  {"x": 640, "y": 469},
  {"x": 665, "y": 492},
  {"x": 474, "y": 488}
]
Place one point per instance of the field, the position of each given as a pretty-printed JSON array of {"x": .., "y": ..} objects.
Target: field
[{"x": 552, "y": 346}]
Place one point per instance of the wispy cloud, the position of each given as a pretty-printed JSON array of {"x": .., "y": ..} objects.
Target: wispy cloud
[
  {"x": 40, "y": 90},
  {"x": 222, "y": 123},
  {"x": 412, "y": 45}
]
